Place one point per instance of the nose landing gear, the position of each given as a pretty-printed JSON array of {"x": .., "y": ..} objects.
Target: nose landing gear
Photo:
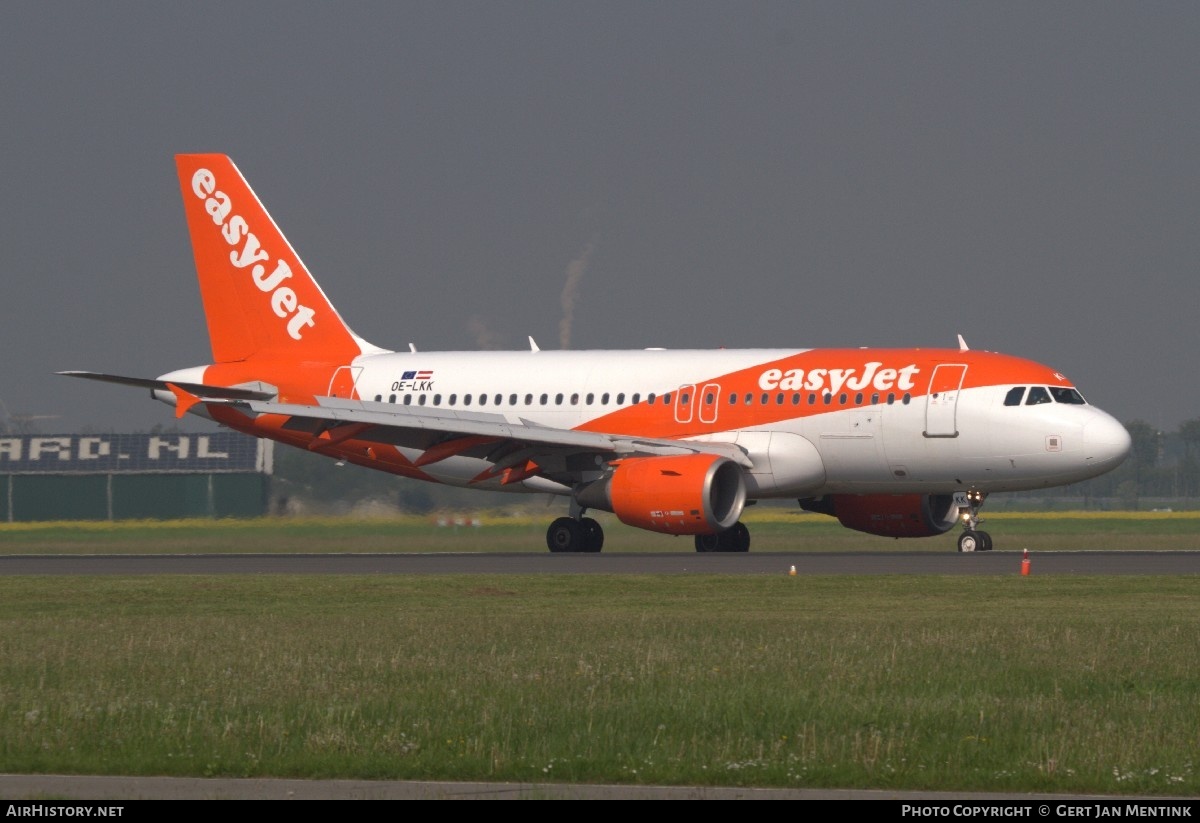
[{"x": 972, "y": 539}]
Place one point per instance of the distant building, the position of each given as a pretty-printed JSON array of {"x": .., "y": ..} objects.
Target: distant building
[{"x": 133, "y": 476}]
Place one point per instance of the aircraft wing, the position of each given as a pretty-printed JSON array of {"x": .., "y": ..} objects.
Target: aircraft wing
[{"x": 507, "y": 440}]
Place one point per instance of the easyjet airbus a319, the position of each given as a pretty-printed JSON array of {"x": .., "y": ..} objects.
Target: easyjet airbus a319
[{"x": 895, "y": 442}]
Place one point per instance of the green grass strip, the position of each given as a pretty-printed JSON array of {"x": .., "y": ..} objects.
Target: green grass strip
[
  {"x": 772, "y": 530},
  {"x": 1066, "y": 684}
]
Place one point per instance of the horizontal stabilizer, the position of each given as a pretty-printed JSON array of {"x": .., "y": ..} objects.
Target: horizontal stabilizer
[{"x": 200, "y": 390}]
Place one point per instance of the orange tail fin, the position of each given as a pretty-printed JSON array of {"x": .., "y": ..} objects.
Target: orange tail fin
[{"x": 259, "y": 299}]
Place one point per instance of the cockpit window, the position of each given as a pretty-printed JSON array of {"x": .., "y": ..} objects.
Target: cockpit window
[
  {"x": 1037, "y": 395},
  {"x": 1013, "y": 398},
  {"x": 1062, "y": 395}
]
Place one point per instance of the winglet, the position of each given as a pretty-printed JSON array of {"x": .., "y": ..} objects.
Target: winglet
[
  {"x": 962, "y": 344},
  {"x": 533, "y": 346}
]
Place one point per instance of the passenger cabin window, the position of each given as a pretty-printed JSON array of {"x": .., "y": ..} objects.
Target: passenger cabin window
[
  {"x": 666, "y": 398},
  {"x": 408, "y": 399},
  {"x": 466, "y": 399},
  {"x": 544, "y": 399},
  {"x": 512, "y": 400},
  {"x": 558, "y": 398},
  {"x": 529, "y": 400},
  {"x": 575, "y": 400},
  {"x": 1013, "y": 398},
  {"x": 379, "y": 398},
  {"x": 453, "y": 399},
  {"x": 483, "y": 399},
  {"x": 392, "y": 399},
  {"x": 1037, "y": 396}
]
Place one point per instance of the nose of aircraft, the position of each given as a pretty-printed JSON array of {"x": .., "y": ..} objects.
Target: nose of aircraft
[{"x": 1105, "y": 439}]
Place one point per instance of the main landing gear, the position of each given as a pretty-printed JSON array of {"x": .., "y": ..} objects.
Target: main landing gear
[
  {"x": 583, "y": 534},
  {"x": 972, "y": 539},
  {"x": 736, "y": 539},
  {"x": 569, "y": 534},
  {"x": 575, "y": 533}
]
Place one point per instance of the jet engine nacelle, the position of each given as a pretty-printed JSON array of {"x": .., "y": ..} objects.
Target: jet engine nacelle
[
  {"x": 889, "y": 515},
  {"x": 686, "y": 494}
]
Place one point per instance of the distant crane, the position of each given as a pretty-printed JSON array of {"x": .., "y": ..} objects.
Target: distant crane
[{"x": 21, "y": 423}]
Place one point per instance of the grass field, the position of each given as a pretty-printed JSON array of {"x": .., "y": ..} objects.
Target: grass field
[
  {"x": 1079, "y": 684},
  {"x": 771, "y": 529},
  {"x": 1057, "y": 684}
]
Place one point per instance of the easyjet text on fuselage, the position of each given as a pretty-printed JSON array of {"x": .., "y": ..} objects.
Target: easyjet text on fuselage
[{"x": 834, "y": 380}]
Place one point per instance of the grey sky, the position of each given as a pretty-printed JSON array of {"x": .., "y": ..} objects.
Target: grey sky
[{"x": 725, "y": 174}]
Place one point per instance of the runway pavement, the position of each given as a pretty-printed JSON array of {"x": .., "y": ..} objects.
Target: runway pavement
[
  {"x": 39, "y": 787},
  {"x": 118, "y": 788}
]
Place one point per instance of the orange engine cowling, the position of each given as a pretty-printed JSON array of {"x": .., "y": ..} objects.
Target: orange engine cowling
[
  {"x": 687, "y": 494},
  {"x": 889, "y": 515}
]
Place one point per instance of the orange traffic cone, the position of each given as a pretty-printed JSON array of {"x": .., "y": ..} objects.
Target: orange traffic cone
[{"x": 1025, "y": 564}]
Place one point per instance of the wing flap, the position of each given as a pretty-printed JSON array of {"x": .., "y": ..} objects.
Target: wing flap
[{"x": 388, "y": 423}]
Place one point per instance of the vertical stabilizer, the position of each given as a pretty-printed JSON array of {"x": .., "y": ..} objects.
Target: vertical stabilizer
[{"x": 259, "y": 299}]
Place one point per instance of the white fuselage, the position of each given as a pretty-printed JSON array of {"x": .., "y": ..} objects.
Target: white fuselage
[{"x": 919, "y": 441}]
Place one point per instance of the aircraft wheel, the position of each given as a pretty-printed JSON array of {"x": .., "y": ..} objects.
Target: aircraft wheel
[
  {"x": 708, "y": 542},
  {"x": 593, "y": 535},
  {"x": 737, "y": 539},
  {"x": 565, "y": 535},
  {"x": 985, "y": 541},
  {"x": 969, "y": 541}
]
